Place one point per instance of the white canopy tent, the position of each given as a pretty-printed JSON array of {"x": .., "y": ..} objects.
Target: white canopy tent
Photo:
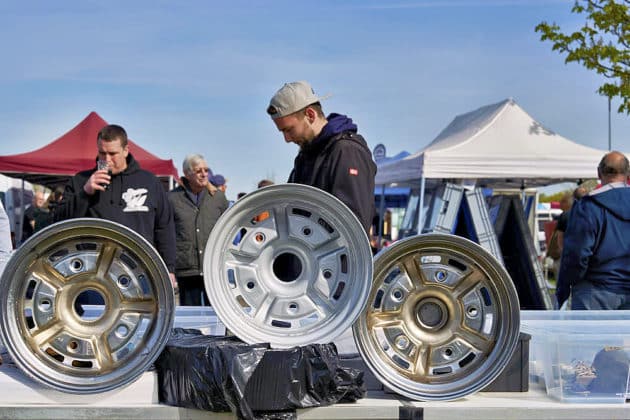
[{"x": 497, "y": 145}]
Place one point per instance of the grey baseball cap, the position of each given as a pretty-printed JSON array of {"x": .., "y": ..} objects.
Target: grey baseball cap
[{"x": 291, "y": 98}]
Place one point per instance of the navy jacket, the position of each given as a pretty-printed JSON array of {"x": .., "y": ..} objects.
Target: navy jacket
[
  {"x": 339, "y": 162},
  {"x": 596, "y": 244},
  {"x": 135, "y": 198}
]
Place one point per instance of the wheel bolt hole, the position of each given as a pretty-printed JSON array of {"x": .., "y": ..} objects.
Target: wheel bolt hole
[
  {"x": 259, "y": 237},
  {"x": 440, "y": 276},
  {"x": 307, "y": 231},
  {"x": 473, "y": 312},
  {"x": 76, "y": 265},
  {"x": 402, "y": 342},
  {"x": 398, "y": 294},
  {"x": 45, "y": 305},
  {"x": 73, "y": 345},
  {"x": 251, "y": 285},
  {"x": 124, "y": 281},
  {"x": 122, "y": 331},
  {"x": 327, "y": 274},
  {"x": 448, "y": 352},
  {"x": 293, "y": 307}
]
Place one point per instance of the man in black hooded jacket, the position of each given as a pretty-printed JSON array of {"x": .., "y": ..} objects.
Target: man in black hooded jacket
[
  {"x": 123, "y": 193},
  {"x": 332, "y": 157}
]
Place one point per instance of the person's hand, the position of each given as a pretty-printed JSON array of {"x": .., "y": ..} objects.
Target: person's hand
[
  {"x": 173, "y": 280},
  {"x": 99, "y": 181}
]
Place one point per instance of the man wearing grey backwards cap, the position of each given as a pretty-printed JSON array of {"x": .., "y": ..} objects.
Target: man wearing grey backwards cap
[{"x": 332, "y": 156}]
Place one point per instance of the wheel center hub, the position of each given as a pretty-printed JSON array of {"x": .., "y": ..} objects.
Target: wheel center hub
[{"x": 431, "y": 313}]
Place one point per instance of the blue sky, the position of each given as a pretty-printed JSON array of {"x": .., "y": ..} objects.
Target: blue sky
[{"x": 196, "y": 76}]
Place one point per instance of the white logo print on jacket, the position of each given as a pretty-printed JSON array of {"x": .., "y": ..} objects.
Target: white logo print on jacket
[{"x": 135, "y": 200}]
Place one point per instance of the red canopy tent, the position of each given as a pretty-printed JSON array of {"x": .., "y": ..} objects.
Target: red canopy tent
[{"x": 75, "y": 151}]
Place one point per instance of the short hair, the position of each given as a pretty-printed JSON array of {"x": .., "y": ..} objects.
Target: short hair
[
  {"x": 190, "y": 161},
  {"x": 265, "y": 183},
  {"x": 113, "y": 132},
  {"x": 317, "y": 106},
  {"x": 614, "y": 163}
]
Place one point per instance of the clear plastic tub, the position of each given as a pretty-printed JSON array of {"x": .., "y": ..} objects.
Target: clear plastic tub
[
  {"x": 581, "y": 334},
  {"x": 586, "y": 368}
]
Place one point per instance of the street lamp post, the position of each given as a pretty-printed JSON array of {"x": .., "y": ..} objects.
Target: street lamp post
[{"x": 609, "y": 138}]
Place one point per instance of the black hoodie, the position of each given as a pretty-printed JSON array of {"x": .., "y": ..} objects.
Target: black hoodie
[
  {"x": 338, "y": 161},
  {"x": 135, "y": 198}
]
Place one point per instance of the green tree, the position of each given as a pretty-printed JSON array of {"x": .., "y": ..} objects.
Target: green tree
[{"x": 602, "y": 44}]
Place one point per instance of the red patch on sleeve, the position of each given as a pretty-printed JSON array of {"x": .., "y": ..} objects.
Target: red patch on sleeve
[{"x": 353, "y": 171}]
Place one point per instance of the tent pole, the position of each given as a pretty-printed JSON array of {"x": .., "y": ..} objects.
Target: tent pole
[
  {"x": 19, "y": 230},
  {"x": 381, "y": 213},
  {"x": 421, "y": 211}
]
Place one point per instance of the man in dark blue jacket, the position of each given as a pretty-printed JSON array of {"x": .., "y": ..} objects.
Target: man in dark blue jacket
[
  {"x": 123, "y": 193},
  {"x": 595, "y": 264},
  {"x": 332, "y": 157}
]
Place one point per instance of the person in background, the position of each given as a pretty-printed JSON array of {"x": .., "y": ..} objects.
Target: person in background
[
  {"x": 264, "y": 183},
  {"x": 196, "y": 210},
  {"x": 126, "y": 194},
  {"x": 31, "y": 212},
  {"x": 595, "y": 264},
  {"x": 554, "y": 249},
  {"x": 579, "y": 192},
  {"x": 44, "y": 217},
  {"x": 219, "y": 181},
  {"x": 332, "y": 155}
]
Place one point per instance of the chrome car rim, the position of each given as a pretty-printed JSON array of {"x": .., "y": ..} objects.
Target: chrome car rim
[
  {"x": 289, "y": 265},
  {"x": 85, "y": 349},
  {"x": 442, "y": 319}
]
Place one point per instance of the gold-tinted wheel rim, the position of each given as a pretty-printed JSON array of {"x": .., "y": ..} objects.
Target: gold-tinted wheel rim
[
  {"x": 85, "y": 349},
  {"x": 442, "y": 318}
]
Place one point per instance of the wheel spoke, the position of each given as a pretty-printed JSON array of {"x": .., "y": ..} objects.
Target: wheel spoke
[
  {"x": 322, "y": 303},
  {"x": 262, "y": 311},
  {"x": 138, "y": 306},
  {"x": 102, "y": 353},
  {"x": 105, "y": 260},
  {"x": 44, "y": 272},
  {"x": 330, "y": 247},
  {"x": 413, "y": 271},
  {"x": 281, "y": 218},
  {"x": 466, "y": 284},
  {"x": 384, "y": 319},
  {"x": 422, "y": 361},
  {"x": 47, "y": 333},
  {"x": 475, "y": 340}
]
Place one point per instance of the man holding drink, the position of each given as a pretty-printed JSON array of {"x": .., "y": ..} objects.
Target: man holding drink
[{"x": 117, "y": 189}]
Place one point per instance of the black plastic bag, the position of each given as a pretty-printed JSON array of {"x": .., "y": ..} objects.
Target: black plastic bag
[{"x": 225, "y": 374}]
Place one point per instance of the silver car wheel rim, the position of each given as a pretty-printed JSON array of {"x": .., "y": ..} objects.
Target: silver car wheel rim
[
  {"x": 284, "y": 226},
  {"x": 87, "y": 352},
  {"x": 442, "y": 319}
]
